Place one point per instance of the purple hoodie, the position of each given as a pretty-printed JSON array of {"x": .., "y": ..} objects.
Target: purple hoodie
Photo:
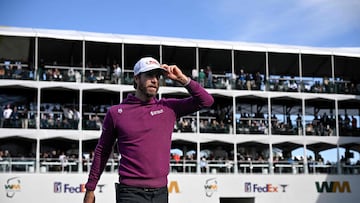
[{"x": 143, "y": 131}]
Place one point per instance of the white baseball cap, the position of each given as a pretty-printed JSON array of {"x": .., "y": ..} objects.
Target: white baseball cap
[{"x": 147, "y": 64}]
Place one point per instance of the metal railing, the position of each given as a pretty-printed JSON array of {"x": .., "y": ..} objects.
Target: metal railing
[{"x": 28, "y": 165}]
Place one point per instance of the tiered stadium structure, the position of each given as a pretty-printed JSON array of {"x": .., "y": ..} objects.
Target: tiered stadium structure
[{"x": 278, "y": 110}]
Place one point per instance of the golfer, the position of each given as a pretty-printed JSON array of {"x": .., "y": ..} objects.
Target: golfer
[{"x": 142, "y": 126}]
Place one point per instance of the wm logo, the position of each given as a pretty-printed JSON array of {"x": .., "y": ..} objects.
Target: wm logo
[
  {"x": 173, "y": 187},
  {"x": 333, "y": 186}
]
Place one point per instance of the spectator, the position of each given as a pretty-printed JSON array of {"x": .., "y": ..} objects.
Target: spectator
[
  {"x": 209, "y": 75},
  {"x": 41, "y": 71},
  {"x": 194, "y": 74},
  {"x": 19, "y": 71},
  {"x": 49, "y": 75},
  {"x": 7, "y": 115},
  {"x": 347, "y": 122},
  {"x": 77, "y": 76},
  {"x": 248, "y": 79},
  {"x": 354, "y": 123},
  {"x": 76, "y": 119},
  {"x": 242, "y": 77},
  {"x": 24, "y": 118},
  {"x": 1, "y": 155},
  {"x": 202, "y": 77},
  {"x": 326, "y": 84},
  {"x": 258, "y": 81},
  {"x": 71, "y": 75},
  {"x": 91, "y": 77},
  {"x": 116, "y": 79},
  {"x": 1, "y": 116},
  {"x": 299, "y": 124},
  {"x": 57, "y": 75},
  {"x": 293, "y": 85},
  {"x": 203, "y": 164},
  {"x": 63, "y": 160}
]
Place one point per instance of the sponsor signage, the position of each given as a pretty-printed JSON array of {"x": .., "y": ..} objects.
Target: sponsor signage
[
  {"x": 60, "y": 187},
  {"x": 210, "y": 186},
  {"x": 12, "y": 186},
  {"x": 173, "y": 187},
  {"x": 264, "y": 188},
  {"x": 333, "y": 187}
]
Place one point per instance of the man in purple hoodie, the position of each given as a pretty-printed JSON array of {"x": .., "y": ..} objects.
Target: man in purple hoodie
[{"x": 142, "y": 126}]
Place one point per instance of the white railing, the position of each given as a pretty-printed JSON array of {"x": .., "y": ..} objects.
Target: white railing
[{"x": 180, "y": 166}]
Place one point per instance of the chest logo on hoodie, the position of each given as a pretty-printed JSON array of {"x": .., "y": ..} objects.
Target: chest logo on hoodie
[
  {"x": 120, "y": 110},
  {"x": 156, "y": 112}
]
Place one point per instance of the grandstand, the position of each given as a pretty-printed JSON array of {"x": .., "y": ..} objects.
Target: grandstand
[{"x": 270, "y": 102}]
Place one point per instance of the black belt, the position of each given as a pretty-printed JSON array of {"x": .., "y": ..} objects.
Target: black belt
[
  {"x": 141, "y": 188},
  {"x": 150, "y": 189}
]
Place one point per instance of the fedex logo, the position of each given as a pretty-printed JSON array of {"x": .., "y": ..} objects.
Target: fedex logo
[
  {"x": 264, "y": 188},
  {"x": 67, "y": 188},
  {"x": 59, "y": 187}
]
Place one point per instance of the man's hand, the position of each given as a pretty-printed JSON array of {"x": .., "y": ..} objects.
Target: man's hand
[
  {"x": 174, "y": 73},
  {"x": 89, "y": 197}
]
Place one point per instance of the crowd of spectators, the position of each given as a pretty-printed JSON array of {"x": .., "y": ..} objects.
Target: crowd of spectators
[
  {"x": 16, "y": 116},
  {"x": 215, "y": 159},
  {"x": 216, "y": 120},
  {"x": 16, "y": 70},
  {"x": 326, "y": 125},
  {"x": 56, "y": 116},
  {"x": 221, "y": 121},
  {"x": 256, "y": 81},
  {"x": 60, "y": 160},
  {"x": 52, "y": 116},
  {"x": 241, "y": 80},
  {"x": 248, "y": 161}
]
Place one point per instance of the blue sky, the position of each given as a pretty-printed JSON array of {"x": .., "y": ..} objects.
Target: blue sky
[{"x": 322, "y": 23}]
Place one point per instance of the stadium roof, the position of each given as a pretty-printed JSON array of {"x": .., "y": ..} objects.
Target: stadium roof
[{"x": 142, "y": 39}]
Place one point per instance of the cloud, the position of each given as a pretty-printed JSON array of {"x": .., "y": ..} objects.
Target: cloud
[
  {"x": 306, "y": 22},
  {"x": 330, "y": 17}
]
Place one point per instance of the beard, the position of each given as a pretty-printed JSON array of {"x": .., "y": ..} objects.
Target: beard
[{"x": 149, "y": 91}]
